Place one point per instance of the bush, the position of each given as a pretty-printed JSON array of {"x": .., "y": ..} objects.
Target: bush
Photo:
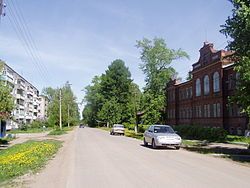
[
  {"x": 201, "y": 133},
  {"x": 37, "y": 124},
  {"x": 141, "y": 128}
]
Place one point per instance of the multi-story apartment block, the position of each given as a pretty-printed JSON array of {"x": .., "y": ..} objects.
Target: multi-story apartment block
[
  {"x": 26, "y": 97},
  {"x": 43, "y": 107},
  {"x": 204, "y": 100}
]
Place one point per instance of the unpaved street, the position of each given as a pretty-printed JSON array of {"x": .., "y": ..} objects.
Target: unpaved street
[{"x": 93, "y": 158}]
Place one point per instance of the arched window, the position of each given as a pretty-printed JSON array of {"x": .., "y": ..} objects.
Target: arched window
[
  {"x": 198, "y": 87},
  {"x": 206, "y": 85},
  {"x": 216, "y": 82}
]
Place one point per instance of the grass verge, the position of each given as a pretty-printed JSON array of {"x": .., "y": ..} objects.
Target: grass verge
[
  {"x": 30, "y": 130},
  {"x": 128, "y": 133},
  {"x": 57, "y": 131},
  {"x": 27, "y": 157}
]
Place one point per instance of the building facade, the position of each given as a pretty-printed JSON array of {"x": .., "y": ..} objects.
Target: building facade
[
  {"x": 28, "y": 103},
  {"x": 204, "y": 99},
  {"x": 43, "y": 107}
]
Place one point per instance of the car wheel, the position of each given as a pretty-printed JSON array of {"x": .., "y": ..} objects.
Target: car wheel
[
  {"x": 153, "y": 144},
  {"x": 177, "y": 147},
  {"x": 144, "y": 142}
]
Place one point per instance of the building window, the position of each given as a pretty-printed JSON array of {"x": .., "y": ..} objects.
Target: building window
[
  {"x": 230, "y": 82},
  {"x": 218, "y": 109},
  {"x": 216, "y": 82},
  {"x": 198, "y": 87},
  {"x": 191, "y": 92},
  {"x": 206, "y": 85}
]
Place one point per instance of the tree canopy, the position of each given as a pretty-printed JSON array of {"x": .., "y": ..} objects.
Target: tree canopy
[
  {"x": 6, "y": 99},
  {"x": 237, "y": 27},
  {"x": 156, "y": 60},
  {"x": 68, "y": 103},
  {"x": 110, "y": 97}
]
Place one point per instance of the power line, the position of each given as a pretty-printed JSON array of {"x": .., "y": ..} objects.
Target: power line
[
  {"x": 22, "y": 39},
  {"x": 23, "y": 32},
  {"x": 24, "y": 35},
  {"x": 18, "y": 9}
]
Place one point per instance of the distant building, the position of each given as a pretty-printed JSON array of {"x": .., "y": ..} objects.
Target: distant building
[
  {"x": 203, "y": 100},
  {"x": 28, "y": 103},
  {"x": 43, "y": 107}
]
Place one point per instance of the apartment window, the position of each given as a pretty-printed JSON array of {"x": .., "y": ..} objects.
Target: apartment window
[
  {"x": 216, "y": 82},
  {"x": 198, "y": 87},
  {"x": 191, "y": 92},
  {"x": 206, "y": 85}
]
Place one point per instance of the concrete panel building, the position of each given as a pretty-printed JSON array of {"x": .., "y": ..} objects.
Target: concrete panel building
[{"x": 28, "y": 103}]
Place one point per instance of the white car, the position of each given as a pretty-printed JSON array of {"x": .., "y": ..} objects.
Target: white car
[
  {"x": 161, "y": 135},
  {"x": 117, "y": 129}
]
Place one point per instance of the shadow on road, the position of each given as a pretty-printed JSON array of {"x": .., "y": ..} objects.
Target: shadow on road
[{"x": 158, "y": 148}]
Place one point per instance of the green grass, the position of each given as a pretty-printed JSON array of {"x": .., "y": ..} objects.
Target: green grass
[
  {"x": 27, "y": 157},
  {"x": 60, "y": 132},
  {"x": 191, "y": 142},
  {"x": 130, "y": 133},
  {"x": 237, "y": 139},
  {"x": 29, "y": 130}
]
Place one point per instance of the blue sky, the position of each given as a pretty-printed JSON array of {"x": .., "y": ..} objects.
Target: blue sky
[{"x": 78, "y": 39}]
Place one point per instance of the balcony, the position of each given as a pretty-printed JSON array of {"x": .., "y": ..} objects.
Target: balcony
[
  {"x": 19, "y": 96},
  {"x": 28, "y": 117},
  {"x": 30, "y": 92},
  {"x": 10, "y": 75},
  {"x": 20, "y": 106},
  {"x": 30, "y": 109},
  {"x": 19, "y": 116},
  {"x": 21, "y": 87}
]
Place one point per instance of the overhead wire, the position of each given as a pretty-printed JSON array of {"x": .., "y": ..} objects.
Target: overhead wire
[
  {"x": 33, "y": 43},
  {"x": 26, "y": 40}
]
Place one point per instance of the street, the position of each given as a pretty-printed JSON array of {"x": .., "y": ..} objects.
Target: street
[{"x": 93, "y": 158}]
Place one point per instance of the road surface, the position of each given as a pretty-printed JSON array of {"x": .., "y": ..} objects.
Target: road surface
[{"x": 93, "y": 158}]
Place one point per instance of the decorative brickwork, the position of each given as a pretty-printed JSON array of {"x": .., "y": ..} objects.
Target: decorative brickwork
[{"x": 203, "y": 100}]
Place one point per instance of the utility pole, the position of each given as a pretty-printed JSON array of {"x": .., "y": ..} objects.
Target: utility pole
[
  {"x": 68, "y": 115},
  {"x": 60, "y": 108}
]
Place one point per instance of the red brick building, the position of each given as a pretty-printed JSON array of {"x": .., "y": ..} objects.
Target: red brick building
[{"x": 203, "y": 100}]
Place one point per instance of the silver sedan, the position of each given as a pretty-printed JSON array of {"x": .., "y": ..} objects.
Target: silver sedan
[{"x": 161, "y": 135}]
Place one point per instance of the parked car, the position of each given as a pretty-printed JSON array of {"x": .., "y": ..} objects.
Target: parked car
[
  {"x": 117, "y": 129},
  {"x": 81, "y": 126},
  {"x": 161, "y": 136}
]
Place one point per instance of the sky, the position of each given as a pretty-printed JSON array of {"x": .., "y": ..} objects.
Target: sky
[{"x": 77, "y": 39}]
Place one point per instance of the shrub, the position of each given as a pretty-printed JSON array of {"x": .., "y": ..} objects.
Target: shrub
[{"x": 201, "y": 133}]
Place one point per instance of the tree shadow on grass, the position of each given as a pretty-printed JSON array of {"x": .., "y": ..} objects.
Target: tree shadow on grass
[{"x": 236, "y": 154}]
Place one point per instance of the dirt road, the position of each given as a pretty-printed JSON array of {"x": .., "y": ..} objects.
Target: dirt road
[{"x": 93, "y": 158}]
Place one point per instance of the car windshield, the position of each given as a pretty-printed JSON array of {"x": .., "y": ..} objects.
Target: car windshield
[
  {"x": 163, "y": 129},
  {"x": 118, "y": 126}
]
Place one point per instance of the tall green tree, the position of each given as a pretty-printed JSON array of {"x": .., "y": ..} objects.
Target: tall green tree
[
  {"x": 70, "y": 113},
  {"x": 6, "y": 99},
  {"x": 111, "y": 97},
  {"x": 93, "y": 101},
  {"x": 156, "y": 60},
  {"x": 115, "y": 89},
  {"x": 237, "y": 27}
]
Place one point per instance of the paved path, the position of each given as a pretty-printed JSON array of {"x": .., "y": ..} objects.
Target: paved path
[{"x": 93, "y": 158}]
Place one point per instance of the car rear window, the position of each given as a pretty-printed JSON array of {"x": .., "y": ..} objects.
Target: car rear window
[{"x": 118, "y": 126}]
